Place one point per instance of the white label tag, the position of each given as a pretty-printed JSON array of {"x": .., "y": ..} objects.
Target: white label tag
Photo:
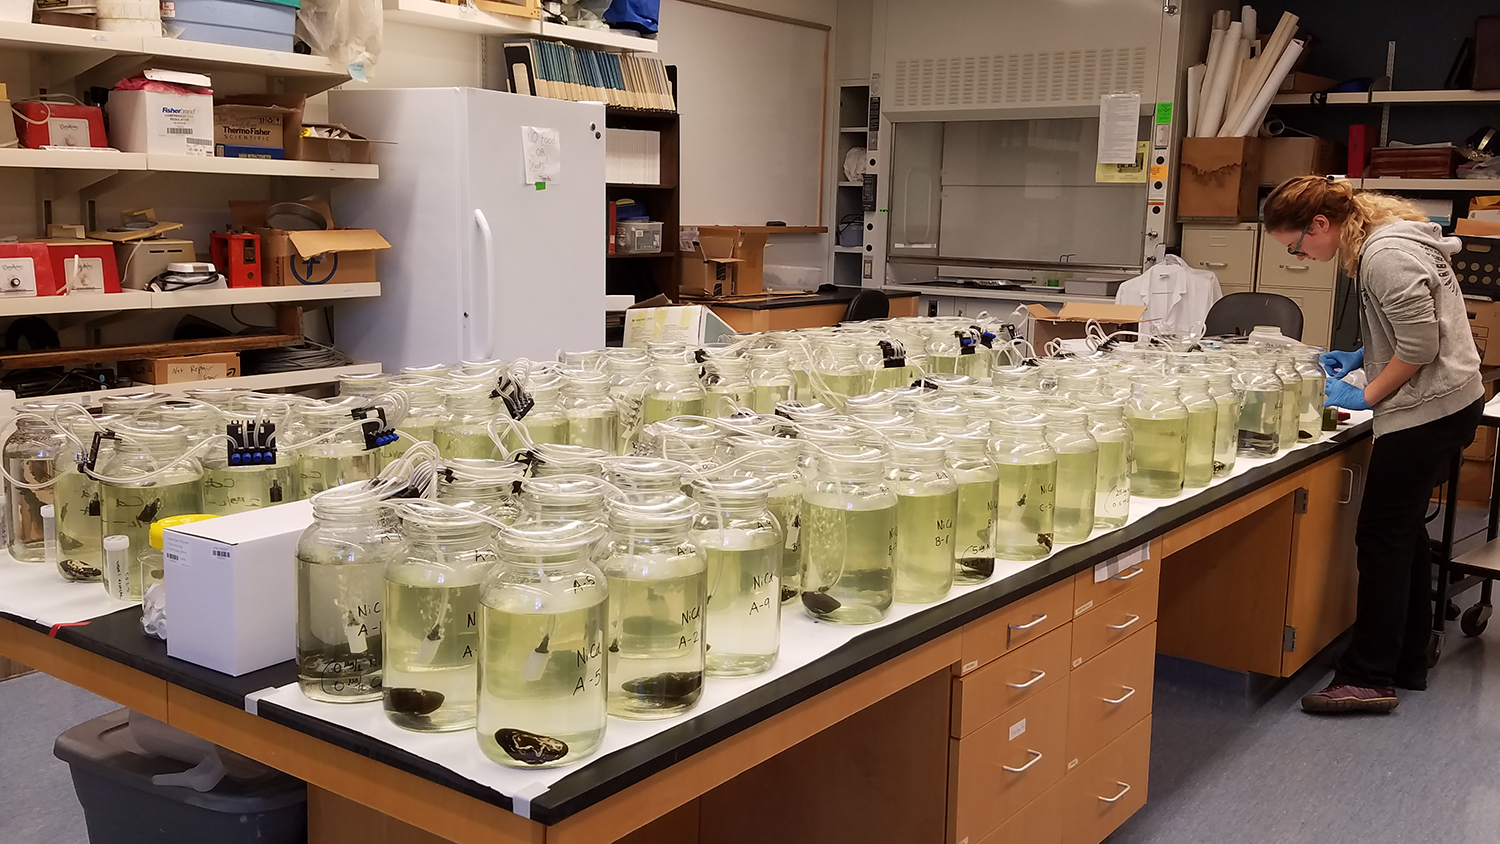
[
  {"x": 200, "y": 147},
  {"x": 174, "y": 548},
  {"x": 1017, "y": 729},
  {"x": 67, "y": 132},
  {"x": 1083, "y": 609},
  {"x": 1134, "y": 557},
  {"x": 794, "y": 533},
  {"x": 17, "y": 277},
  {"x": 969, "y": 666}
]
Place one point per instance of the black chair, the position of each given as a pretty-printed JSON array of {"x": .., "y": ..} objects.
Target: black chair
[
  {"x": 1238, "y": 313},
  {"x": 868, "y": 304}
]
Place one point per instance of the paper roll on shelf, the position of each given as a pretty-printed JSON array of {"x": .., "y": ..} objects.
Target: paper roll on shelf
[
  {"x": 1262, "y": 104},
  {"x": 1247, "y": 24},
  {"x": 1221, "y": 20},
  {"x": 1236, "y": 112},
  {"x": 1220, "y": 75},
  {"x": 1244, "y": 67},
  {"x": 1195, "y": 77}
]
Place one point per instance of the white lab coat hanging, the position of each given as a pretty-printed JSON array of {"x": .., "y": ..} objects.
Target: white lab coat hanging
[{"x": 1176, "y": 296}]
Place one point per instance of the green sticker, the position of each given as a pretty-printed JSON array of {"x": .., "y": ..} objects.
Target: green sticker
[
  {"x": 1163, "y": 112},
  {"x": 541, "y": 185}
]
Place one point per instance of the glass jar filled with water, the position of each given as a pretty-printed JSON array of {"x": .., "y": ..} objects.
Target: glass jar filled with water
[
  {"x": 148, "y": 476},
  {"x": 238, "y": 479},
  {"x": 1310, "y": 416},
  {"x": 776, "y": 460},
  {"x": 849, "y": 536},
  {"x": 331, "y": 451},
  {"x": 424, "y": 409},
  {"x": 562, "y": 499},
  {"x": 592, "y": 420},
  {"x": 1261, "y": 394},
  {"x": 31, "y": 454},
  {"x": 464, "y": 429},
  {"x": 658, "y": 586},
  {"x": 1107, "y": 427},
  {"x": 978, "y": 494},
  {"x": 1026, "y": 504},
  {"x": 341, "y": 563},
  {"x": 626, "y": 370},
  {"x": 1226, "y": 422},
  {"x": 726, "y": 379},
  {"x": 77, "y": 495},
  {"x": 1203, "y": 415},
  {"x": 675, "y": 391},
  {"x": 543, "y": 673},
  {"x": 840, "y": 372},
  {"x": 1158, "y": 429},
  {"x": 926, "y": 516},
  {"x": 771, "y": 379},
  {"x": 485, "y": 486},
  {"x": 430, "y": 620},
  {"x": 1077, "y": 472},
  {"x": 741, "y": 543},
  {"x": 546, "y": 422},
  {"x": 1291, "y": 396},
  {"x": 646, "y": 478},
  {"x": 364, "y": 384}
]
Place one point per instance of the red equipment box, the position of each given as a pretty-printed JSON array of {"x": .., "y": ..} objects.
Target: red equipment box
[
  {"x": 25, "y": 270},
  {"x": 237, "y": 256},
  {"x": 80, "y": 266},
  {"x": 49, "y": 124}
]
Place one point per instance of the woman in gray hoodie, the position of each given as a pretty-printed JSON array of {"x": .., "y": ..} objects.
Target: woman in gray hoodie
[{"x": 1422, "y": 382}]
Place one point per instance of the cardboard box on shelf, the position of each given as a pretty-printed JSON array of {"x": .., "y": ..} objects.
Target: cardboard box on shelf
[
  {"x": 162, "y": 122},
  {"x": 328, "y": 256},
  {"x": 1484, "y": 324},
  {"x": 1476, "y": 228},
  {"x": 183, "y": 368},
  {"x": 1071, "y": 321},
  {"x": 723, "y": 261},
  {"x": 243, "y": 125},
  {"x": 46, "y": 123},
  {"x": 1219, "y": 180},
  {"x": 355, "y": 149},
  {"x": 1305, "y": 83},
  {"x": 1288, "y": 158}
]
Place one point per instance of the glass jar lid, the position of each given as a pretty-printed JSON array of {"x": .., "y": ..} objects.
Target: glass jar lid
[
  {"x": 738, "y": 493},
  {"x": 548, "y": 538}
]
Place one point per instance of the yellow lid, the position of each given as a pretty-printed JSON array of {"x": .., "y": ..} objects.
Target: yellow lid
[{"x": 173, "y": 521}]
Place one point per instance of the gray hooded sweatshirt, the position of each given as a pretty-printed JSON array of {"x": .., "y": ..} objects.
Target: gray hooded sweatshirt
[{"x": 1411, "y": 307}]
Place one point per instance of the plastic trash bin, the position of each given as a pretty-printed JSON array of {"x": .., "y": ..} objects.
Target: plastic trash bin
[{"x": 112, "y": 776}]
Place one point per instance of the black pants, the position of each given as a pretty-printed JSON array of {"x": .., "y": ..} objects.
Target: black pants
[{"x": 1394, "y": 606}]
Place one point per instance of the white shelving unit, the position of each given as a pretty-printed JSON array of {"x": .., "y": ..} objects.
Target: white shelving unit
[
  {"x": 272, "y": 381},
  {"x": 114, "y": 160},
  {"x": 1453, "y": 185},
  {"x": 140, "y": 300},
  {"x": 1393, "y": 98},
  {"x": 439, "y": 15}
]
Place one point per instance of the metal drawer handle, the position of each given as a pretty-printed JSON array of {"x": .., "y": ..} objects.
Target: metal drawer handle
[
  {"x": 1124, "y": 790},
  {"x": 1038, "y": 619},
  {"x": 1133, "y": 619},
  {"x": 1035, "y": 758},
  {"x": 1135, "y": 571},
  {"x": 1214, "y": 264},
  {"x": 1129, "y": 693},
  {"x": 1036, "y": 677},
  {"x": 1349, "y": 493},
  {"x": 1296, "y": 268}
]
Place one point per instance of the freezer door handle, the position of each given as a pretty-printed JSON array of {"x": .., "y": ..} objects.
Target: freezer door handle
[{"x": 478, "y": 304}]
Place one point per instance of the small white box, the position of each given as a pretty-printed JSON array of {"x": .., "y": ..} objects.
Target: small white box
[
  {"x": 632, "y": 157},
  {"x": 162, "y": 123},
  {"x": 232, "y": 588},
  {"x": 677, "y": 323}
]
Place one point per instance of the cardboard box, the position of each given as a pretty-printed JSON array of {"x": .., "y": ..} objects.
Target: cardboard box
[
  {"x": 249, "y": 131},
  {"x": 183, "y": 368},
  {"x": 1484, "y": 324},
  {"x": 52, "y": 124},
  {"x": 1305, "y": 83},
  {"x": 356, "y": 150},
  {"x": 292, "y": 258},
  {"x": 1288, "y": 158},
  {"x": 723, "y": 261},
  {"x": 162, "y": 123},
  {"x": 1071, "y": 322},
  {"x": 232, "y": 586},
  {"x": 1219, "y": 180},
  {"x": 1476, "y": 228},
  {"x": 80, "y": 266},
  {"x": 657, "y": 321}
]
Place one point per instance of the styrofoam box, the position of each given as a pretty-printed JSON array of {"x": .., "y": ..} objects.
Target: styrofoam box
[
  {"x": 232, "y": 588},
  {"x": 162, "y": 123}
]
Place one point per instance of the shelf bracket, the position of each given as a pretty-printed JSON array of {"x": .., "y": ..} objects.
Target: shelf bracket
[{"x": 92, "y": 184}]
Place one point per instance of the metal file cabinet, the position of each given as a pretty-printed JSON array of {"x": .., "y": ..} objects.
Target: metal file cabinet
[{"x": 1246, "y": 259}]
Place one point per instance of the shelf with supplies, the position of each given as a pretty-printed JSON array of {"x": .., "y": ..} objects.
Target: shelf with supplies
[
  {"x": 114, "y": 160},
  {"x": 1434, "y": 97},
  {"x": 141, "y": 300},
  {"x": 1448, "y": 185},
  {"x": 465, "y": 18},
  {"x": 268, "y": 381}
]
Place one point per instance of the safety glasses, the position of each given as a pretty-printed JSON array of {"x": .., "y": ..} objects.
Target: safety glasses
[{"x": 1295, "y": 250}]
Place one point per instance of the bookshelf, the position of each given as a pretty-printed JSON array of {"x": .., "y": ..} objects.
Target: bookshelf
[
  {"x": 853, "y": 117},
  {"x": 643, "y": 276}
]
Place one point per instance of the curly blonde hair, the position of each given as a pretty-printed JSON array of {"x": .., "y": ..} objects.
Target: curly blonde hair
[{"x": 1294, "y": 203}]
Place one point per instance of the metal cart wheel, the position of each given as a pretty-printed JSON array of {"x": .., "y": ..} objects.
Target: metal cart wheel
[
  {"x": 1434, "y": 649},
  {"x": 1475, "y": 619}
]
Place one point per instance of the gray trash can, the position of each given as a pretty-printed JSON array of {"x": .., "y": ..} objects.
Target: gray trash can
[{"x": 112, "y": 776}]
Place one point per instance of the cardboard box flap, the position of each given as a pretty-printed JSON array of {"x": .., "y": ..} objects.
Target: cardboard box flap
[
  {"x": 716, "y": 247},
  {"x": 1040, "y": 312},
  {"x": 1085, "y": 311},
  {"x": 312, "y": 244}
]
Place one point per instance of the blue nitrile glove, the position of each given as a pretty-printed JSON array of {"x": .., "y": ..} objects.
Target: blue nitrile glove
[
  {"x": 1347, "y": 396},
  {"x": 1339, "y": 364}
]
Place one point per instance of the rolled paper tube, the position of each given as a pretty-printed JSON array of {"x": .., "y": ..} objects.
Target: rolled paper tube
[
  {"x": 1262, "y": 103},
  {"x": 1219, "y": 77}
]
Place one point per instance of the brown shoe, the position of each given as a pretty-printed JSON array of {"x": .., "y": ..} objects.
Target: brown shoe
[{"x": 1340, "y": 699}]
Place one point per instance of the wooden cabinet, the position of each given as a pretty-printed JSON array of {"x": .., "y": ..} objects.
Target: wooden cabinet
[
  {"x": 1089, "y": 592},
  {"x": 1039, "y": 822},
  {"x": 1101, "y": 793},
  {"x": 1114, "y": 621},
  {"x": 1024, "y": 621},
  {"x": 981, "y": 696},
  {"x": 1228, "y": 251},
  {"x": 1007, "y": 763},
  {"x": 1109, "y": 694}
]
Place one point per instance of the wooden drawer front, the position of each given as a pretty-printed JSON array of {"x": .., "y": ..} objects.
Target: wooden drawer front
[
  {"x": 1039, "y": 822},
  {"x": 1229, "y": 252},
  {"x": 1317, "y": 312},
  {"x": 1006, "y": 764},
  {"x": 1006, "y": 629},
  {"x": 1087, "y": 594},
  {"x": 1279, "y": 269},
  {"x": 1023, "y": 673},
  {"x": 1101, "y": 793},
  {"x": 1110, "y": 693},
  {"x": 1119, "y": 618}
]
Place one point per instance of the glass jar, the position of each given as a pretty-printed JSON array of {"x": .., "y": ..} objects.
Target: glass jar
[
  {"x": 1291, "y": 397},
  {"x": 944, "y": 348},
  {"x": 424, "y": 408},
  {"x": 694, "y": 444},
  {"x": 590, "y": 412},
  {"x": 31, "y": 454},
  {"x": 625, "y": 369},
  {"x": 429, "y": 676},
  {"x": 657, "y": 590},
  {"x": 1227, "y": 422},
  {"x": 771, "y": 380},
  {"x": 726, "y": 377},
  {"x": 840, "y": 372},
  {"x": 129, "y": 406},
  {"x": 341, "y": 563},
  {"x": 464, "y": 429},
  {"x": 775, "y": 460},
  {"x": 644, "y": 478},
  {"x": 676, "y": 391},
  {"x": 943, "y": 415},
  {"x": 741, "y": 543},
  {"x": 849, "y": 537},
  {"x": 546, "y": 422},
  {"x": 1015, "y": 377},
  {"x": 1261, "y": 393},
  {"x": 488, "y": 486},
  {"x": 1026, "y": 503},
  {"x": 153, "y": 561},
  {"x": 1203, "y": 414},
  {"x": 242, "y": 485},
  {"x": 974, "y": 526},
  {"x": 1158, "y": 429},
  {"x": 221, "y": 398},
  {"x": 1077, "y": 473},
  {"x": 80, "y": 523},
  {"x": 147, "y": 477},
  {"x": 591, "y": 360},
  {"x": 549, "y": 461},
  {"x": 550, "y": 499},
  {"x": 331, "y": 449},
  {"x": 893, "y": 369},
  {"x": 431, "y": 370},
  {"x": 1310, "y": 368},
  {"x": 364, "y": 384},
  {"x": 926, "y": 514},
  {"x": 1112, "y": 490},
  {"x": 542, "y": 624}
]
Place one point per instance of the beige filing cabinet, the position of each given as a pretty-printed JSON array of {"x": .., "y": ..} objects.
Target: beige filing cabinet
[{"x": 1246, "y": 259}]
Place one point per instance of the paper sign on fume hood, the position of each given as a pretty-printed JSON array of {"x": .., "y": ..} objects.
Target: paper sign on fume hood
[{"x": 1119, "y": 127}]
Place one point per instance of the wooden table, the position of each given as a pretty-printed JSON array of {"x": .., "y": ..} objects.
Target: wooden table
[
  {"x": 1019, "y": 711},
  {"x": 782, "y": 312}
]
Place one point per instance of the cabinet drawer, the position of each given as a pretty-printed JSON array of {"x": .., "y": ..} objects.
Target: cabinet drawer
[
  {"x": 1008, "y": 628},
  {"x": 1117, "y": 619},
  {"x": 1280, "y": 269},
  {"x": 1087, "y": 594},
  {"x": 1007, "y": 764},
  {"x": 1109, "y": 693},
  {"x": 1227, "y": 289},
  {"x": 1229, "y": 252},
  {"x": 1023, "y": 673},
  {"x": 1039, "y": 822},
  {"x": 1317, "y": 312},
  {"x": 1101, "y": 793}
]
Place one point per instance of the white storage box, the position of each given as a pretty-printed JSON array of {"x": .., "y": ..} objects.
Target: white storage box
[
  {"x": 232, "y": 588},
  {"x": 161, "y": 123}
]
